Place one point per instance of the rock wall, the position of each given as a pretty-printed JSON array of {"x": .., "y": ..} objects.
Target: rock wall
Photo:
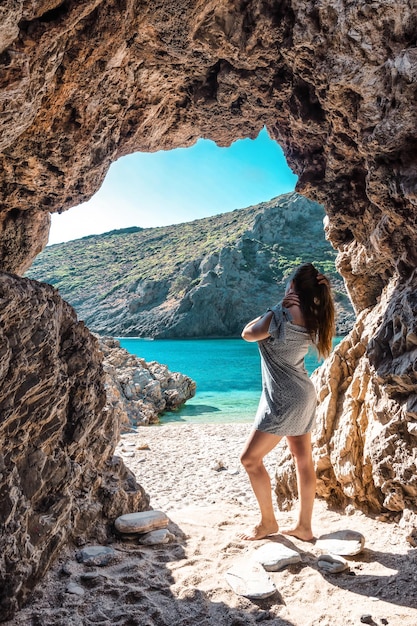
[
  {"x": 84, "y": 82},
  {"x": 59, "y": 480}
]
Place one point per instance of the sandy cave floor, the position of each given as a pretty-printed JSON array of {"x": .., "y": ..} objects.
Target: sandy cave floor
[{"x": 183, "y": 583}]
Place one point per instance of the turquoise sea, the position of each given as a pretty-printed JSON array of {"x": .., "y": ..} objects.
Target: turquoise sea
[{"x": 227, "y": 373}]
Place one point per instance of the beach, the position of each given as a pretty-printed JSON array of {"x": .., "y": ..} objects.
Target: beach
[{"x": 192, "y": 473}]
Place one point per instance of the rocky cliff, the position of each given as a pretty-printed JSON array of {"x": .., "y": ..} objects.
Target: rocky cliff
[
  {"x": 205, "y": 278},
  {"x": 84, "y": 82}
]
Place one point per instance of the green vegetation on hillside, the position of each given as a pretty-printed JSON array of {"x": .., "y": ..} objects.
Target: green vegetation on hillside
[
  {"x": 121, "y": 258},
  {"x": 117, "y": 279}
]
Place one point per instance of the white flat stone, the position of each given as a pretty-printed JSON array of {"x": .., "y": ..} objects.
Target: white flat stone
[
  {"x": 249, "y": 579},
  {"x": 275, "y": 556},
  {"x": 156, "y": 537},
  {"x": 142, "y": 522},
  {"x": 344, "y": 542},
  {"x": 332, "y": 563}
]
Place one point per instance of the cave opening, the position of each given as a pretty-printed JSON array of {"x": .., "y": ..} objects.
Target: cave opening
[
  {"x": 179, "y": 185},
  {"x": 86, "y": 82},
  {"x": 165, "y": 224}
]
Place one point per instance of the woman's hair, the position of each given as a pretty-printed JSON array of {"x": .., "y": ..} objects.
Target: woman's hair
[{"x": 317, "y": 307}]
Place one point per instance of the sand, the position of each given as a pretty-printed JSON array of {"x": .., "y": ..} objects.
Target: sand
[{"x": 183, "y": 583}]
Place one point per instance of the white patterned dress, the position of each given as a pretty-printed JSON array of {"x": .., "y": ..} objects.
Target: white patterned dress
[{"x": 288, "y": 402}]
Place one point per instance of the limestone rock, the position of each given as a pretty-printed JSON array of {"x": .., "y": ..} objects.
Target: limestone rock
[
  {"x": 342, "y": 542},
  {"x": 83, "y": 83},
  {"x": 332, "y": 563},
  {"x": 275, "y": 556},
  {"x": 250, "y": 580},
  {"x": 141, "y": 522},
  {"x": 139, "y": 392}
]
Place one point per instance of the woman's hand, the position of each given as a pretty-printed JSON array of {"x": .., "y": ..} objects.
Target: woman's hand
[
  {"x": 322, "y": 279},
  {"x": 290, "y": 299}
]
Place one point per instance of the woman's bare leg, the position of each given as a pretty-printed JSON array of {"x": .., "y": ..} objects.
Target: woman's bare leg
[
  {"x": 257, "y": 447},
  {"x": 306, "y": 480}
]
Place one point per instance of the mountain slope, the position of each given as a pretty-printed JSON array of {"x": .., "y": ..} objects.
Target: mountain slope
[{"x": 204, "y": 278}]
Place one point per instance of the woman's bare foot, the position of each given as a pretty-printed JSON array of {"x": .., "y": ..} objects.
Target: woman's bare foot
[
  {"x": 260, "y": 531},
  {"x": 305, "y": 534}
]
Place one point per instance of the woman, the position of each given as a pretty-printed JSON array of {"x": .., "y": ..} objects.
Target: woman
[{"x": 288, "y": 401}]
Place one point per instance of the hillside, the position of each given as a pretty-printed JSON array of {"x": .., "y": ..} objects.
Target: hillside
[{"x": 204, "y": 278}]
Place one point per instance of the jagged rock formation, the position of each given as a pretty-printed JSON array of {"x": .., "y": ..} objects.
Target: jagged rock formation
[
  {"x": 139, "y": 392},
  {"x": 84, "y": 82},
  {"x": 59, "y": 479},
  {"x": 227, "y": 269}
]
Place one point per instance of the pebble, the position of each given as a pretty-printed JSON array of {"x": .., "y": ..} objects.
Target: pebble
[
  {"x": 90, "y": 576},
  {"x": 96, "y": 555},
  {"x": 75, "y": 589},
  {"x": 142, "y": 522},
  {"x": 218, "y": 466},
  {"x": 343, "y": 542},
  {"x": 156, "y": 537},
  {"x": 249, "y": 579},
  {"x": 350, "y": 510},
  {"x": 263, "y": 616},
  {"x": 367, "y": 619},
  {"x": 65, "y": 570},
  {"x": 275, "y": 556},
  {"x": 332, "y": 563}
]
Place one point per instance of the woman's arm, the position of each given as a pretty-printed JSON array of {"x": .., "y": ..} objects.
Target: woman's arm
[{"x": 257, "y": 329}]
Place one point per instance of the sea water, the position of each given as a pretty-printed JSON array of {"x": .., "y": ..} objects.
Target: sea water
[{"x": 226, "y": 371}]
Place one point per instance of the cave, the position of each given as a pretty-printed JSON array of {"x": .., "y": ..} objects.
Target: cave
[{"x": 84, "y": 83}]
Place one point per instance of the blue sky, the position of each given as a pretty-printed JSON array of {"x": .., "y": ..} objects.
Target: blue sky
[{"x": 162, "y": 188}]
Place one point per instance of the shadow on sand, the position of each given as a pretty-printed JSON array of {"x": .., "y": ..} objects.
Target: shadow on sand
[
  {"x": 397, "y": 588},
  {"x": 139, "y": 589}
]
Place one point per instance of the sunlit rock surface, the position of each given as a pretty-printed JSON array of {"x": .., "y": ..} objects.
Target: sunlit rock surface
[{"x": 84, "y": 82}]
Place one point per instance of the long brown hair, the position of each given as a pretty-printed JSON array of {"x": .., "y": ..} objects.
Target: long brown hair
[{"x": 317, "y": 306}]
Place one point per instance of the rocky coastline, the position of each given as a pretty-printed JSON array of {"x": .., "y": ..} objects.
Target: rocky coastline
[{"x": 139, "y": 392}]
